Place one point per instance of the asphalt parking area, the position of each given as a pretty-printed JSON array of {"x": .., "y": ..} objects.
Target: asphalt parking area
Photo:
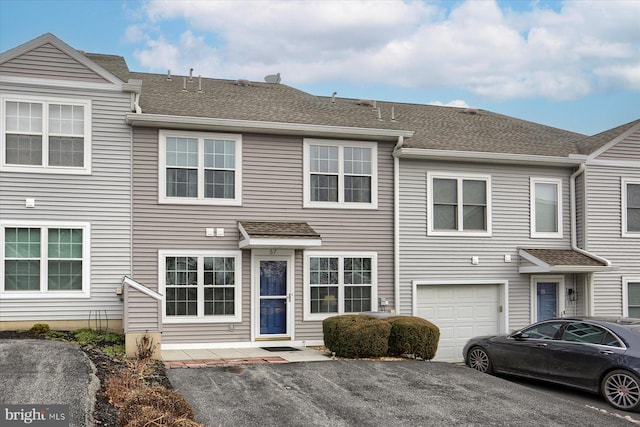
[{"x": 372, "y": 393}]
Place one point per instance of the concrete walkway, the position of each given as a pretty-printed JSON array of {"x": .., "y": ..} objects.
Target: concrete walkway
[{"x": 199, "y": 358}]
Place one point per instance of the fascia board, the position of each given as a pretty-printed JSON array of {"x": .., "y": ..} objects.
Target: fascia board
[
  {"x": 489, "y": 157},
  {"x": 150, "y": 292},
  {"x": 234, "y": 125}
]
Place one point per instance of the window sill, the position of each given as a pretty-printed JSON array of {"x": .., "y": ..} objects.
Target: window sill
[
  {"x": 46, "y": 170},
  {"x": 459, "y": 233},
  {"x": 193, "y": 201},
  {"x": 193, "y": 319},
  {"x": 336, "y": 205},
  {"x": 9, "y": 295}
]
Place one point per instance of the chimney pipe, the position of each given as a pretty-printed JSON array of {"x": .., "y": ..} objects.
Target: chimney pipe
[
  {"x": 199, "y": 83},
  {"x": 168, "y": 75},
  {"x": 191, "y": 75},
  {"x": 184, "y": 84}
]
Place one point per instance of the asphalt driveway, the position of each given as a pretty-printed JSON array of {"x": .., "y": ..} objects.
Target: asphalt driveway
[{"x": 371, "y": 393}]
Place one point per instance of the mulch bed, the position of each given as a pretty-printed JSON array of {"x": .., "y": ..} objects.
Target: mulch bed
[{"x": 105, "y": 414}]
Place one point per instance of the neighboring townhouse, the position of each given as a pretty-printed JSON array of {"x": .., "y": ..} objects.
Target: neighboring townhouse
[
  {"x": 65, "y": 188},
  {"x": 609, "y": 189}
]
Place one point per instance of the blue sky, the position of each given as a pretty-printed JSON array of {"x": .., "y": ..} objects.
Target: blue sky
[{"x": 569, "y": 64}]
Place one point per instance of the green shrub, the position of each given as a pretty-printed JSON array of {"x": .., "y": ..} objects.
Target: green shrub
[
  {"x": 95, "y": 337},
  {"x": 40, "y": 328},
  {"x": 356, "y": 335},
  {"x": 413, "y": 335}
]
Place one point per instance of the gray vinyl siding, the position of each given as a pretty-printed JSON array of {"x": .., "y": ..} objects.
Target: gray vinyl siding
[
  {"x": 624, "y": 150},
  {"x": 272, "y": 185},
  {"x": 102, "y": 199},
  {"x": 49, "y": 62},
  {"x": 448, "y": 258},
  {"x": 580, "y": 211},
  {"x": 604, "y": 223}
]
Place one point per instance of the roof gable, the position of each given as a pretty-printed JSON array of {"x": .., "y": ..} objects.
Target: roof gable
[
  {"x": 597, "y": 145},
  {"x": 49, "y": 58}
]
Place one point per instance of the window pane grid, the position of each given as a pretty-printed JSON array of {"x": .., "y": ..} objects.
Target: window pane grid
[
  {"x": 25, "y": 260},
  {"x": 59, "y": 144},
  {"x": 459, "y": 204},
  {"x": 633, "y": 207},
  {"x": 200, "y": 286},
  {"x": 324, "y": 282}
]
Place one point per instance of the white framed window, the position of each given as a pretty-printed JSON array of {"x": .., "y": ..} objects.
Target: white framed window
[
  {"x": 44, "y": 260},
  {"x": 200, "y": 286},
  {"x": 340, "y": 174},
  {"x": 631, "y": 208},
  {"x": 631, "y": 297},
  {"x": 339, "y": 282},
  {"x": 47, "y": 135},
  {"x": 200, "y": 168},
  {"x": 458, "y": 204},
  {"x": 546, "y": 208}
]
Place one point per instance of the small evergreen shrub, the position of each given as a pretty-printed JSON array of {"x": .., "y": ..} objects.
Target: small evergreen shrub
[
  {"x": 356, "y": 335},
  {"x": 413, "y": 335},
  {"x": 40, "y": 328}
]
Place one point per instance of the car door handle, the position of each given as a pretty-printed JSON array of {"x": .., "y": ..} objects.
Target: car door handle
[
  {"x": 541, "y": 344},
  {"x": 606, "y": 352}
]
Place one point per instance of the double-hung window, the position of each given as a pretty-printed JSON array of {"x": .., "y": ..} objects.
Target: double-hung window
[
  {"x": 200, "y": 168},
  {"x": 44, "y": 260},
  {"x": 546, "y": 207},
  {"x": 46, "y": 135},
  {"x": 340, "y": 174},
  {"x": 631, "y": 297},
  {"x": 337, "y": 283},
  {"x": 201, "y": 286},
  {"x": 458, "y": 204},
  {"x": 631, "y": 208}
]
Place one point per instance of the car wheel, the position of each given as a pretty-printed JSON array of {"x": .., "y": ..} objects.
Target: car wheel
[
  {"x": 479, "y": 360},
  {"x": 621, "y": 389}
]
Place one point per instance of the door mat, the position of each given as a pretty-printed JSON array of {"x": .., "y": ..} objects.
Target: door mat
[{"x": 276, "y": 349}]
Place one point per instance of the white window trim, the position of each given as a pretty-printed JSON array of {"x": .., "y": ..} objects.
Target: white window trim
[
  {"x": 460, "y": 177},
  {"x": 200, "y": 318},
  {"x": 44, "y": 293},
  {"x": 532, "y": 207},
  {"x": 200, "y": 200},
  {"x": 625, "y": 293},
  {"x": 45, "y": 168},
  {"x": 341, "y": 144},
  {"x": 560, "y": 308},
  {"x": 625, "y": 233},
  {"x": 308, "y": 316}
]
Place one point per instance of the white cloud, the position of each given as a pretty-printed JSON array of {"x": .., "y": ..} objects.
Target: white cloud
[
  {"x": 584, "y": 47},
  {"x": 455, "y": 103}
]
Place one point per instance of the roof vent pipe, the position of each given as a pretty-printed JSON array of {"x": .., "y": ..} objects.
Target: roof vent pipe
[
  {"x": 168, "y": 75},
  {"x": 380, "y": 113},
  {"x": 191, "y": 75},
  {"x": 393, "y": 113},
  {"x": 374, "y": 104},
  {"x": 184, "y": 84},
  {"x": 333, "y": 97},
  {"x": 199, "y": 84}
]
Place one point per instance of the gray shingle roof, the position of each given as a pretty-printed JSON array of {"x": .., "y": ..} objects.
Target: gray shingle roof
[
  {"x": 435, "y": 127},
  {"x": 564, "y": 257},
  {"x": 590, "y": 144},
  {"x": 281, "y": 230}
]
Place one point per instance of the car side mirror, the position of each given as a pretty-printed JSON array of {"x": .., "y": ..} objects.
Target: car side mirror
[{"x": 518, "y": 336}]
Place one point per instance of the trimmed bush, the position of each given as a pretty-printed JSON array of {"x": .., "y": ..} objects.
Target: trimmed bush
[
  {"x": 356, "y": 335},
  {"x": 413, "y": 335},
  {"x": 40, "y": 328}
]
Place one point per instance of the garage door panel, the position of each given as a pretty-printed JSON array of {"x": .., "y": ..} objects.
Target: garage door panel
[{"x": 461, "y": 312}]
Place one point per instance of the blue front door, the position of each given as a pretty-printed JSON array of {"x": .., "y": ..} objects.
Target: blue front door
[{"x": 273, "y": 297}]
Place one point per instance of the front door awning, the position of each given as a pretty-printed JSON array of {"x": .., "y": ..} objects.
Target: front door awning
[
  {"x": 561, "y": 261},
  {"x": 282, "y": 235}
]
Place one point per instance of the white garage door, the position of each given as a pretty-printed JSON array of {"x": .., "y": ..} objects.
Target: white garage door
[{"x": 461, "y": 312}]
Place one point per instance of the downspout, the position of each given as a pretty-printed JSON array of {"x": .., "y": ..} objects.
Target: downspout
[
  {"x": 136, "y": 103},
  {"x": 396, "y": 224},
  {"x": 574, "y": 239},
  {"x": 572, "y": 204}
]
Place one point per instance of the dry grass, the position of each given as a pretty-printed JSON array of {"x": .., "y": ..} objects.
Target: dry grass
[{"x": 141, "y": 405}]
